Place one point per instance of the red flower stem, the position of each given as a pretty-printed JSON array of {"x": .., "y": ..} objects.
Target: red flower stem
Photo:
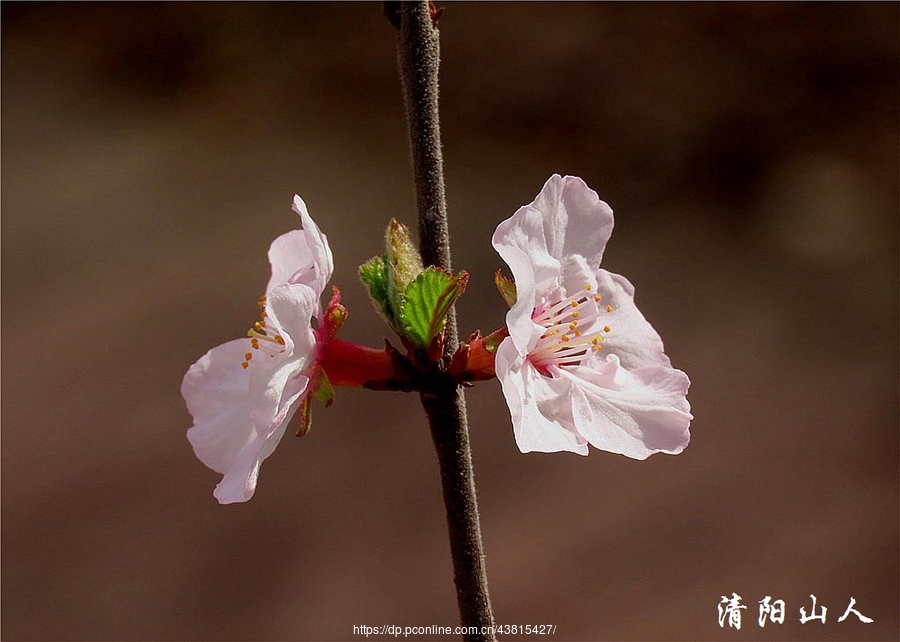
[
  {"x": 479, "y": 361},
  {"x": 419, "y": 59},
  {"x": 349, "y": 364}
]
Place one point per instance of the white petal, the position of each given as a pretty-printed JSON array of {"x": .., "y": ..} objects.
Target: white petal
[
  {"x": 634, "y": 413},
  {"x": 631, "y": 337},
  {"x": 301, "y": 256},
  {"x": 215, "y": 390},
  {"x": 576, "y": 221},
  {"x": 525, "y": 333},
  {"x": 552, "y": 246},
  {"x": 521, "y": 243},
  {"x": 510, "y": 237},
  {"x": 540, "y": 407},
  {"x": 566, "y": 219},
  {"x": 239, "y": 482},
  {"x": 224, "y": 435},
  {"x": 576, "y": 273},
  {"x": 278, "y": 373},
  {"x": 291, "y": 309}
]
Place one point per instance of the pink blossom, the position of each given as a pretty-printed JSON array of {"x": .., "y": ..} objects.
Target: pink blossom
[
  {"x": 581, "y": 365},
  {"x": 243, "y": 393}
]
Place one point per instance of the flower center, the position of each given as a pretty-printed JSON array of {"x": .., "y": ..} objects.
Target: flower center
[
  {"x": 566, "y": 343},
  {"x": 272, "y": 342}
]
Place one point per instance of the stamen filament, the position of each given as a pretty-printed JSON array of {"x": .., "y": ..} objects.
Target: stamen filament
[
  {"x": 571, "y": 331},
  {"x": 262, "y": 332},
  {"x": 253, "y": 334}
]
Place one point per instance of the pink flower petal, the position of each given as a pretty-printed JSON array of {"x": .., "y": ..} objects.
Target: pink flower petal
[
  {"x": 631, "y": 337},
  {"x": 215, "y": 390},
  {"x": 224, "y": 437},
  {"x": 552, "y": 245},
  {"x": 540, "y": 407},
  {"x": 576, "y": 221},
  {"x": 301, "y": 256},
  {"x": 634, "y": 413},
  {"x": 521, "y": 243},
  {"x": 239, "y": 482},
  {"x": 566, "y": 219},
  {"x": 277, "y": 372}
]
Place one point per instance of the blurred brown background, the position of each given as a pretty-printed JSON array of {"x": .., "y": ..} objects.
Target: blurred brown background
[{"x": 150, "y": 153}]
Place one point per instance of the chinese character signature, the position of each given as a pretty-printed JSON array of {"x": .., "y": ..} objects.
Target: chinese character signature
[{"x": 774, "y": 611}]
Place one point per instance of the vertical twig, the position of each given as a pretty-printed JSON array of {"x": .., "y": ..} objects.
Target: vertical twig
[{"x": 419, "y": 58}]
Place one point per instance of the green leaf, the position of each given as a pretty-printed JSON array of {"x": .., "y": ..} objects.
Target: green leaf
[
  {"x": 322, "y": 389},
  {"x": 494, "y": 339},
  {"x": 507, "y": 288},
  {"x": 402, "y": 261},
  {"x": 426, "y": 303},
  {"x": 374, "y": 275}
]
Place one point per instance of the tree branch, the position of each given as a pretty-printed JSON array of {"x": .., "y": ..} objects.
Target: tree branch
[{"x": 419, "y": 59}]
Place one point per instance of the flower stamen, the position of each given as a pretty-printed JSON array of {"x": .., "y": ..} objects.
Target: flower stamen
[
  {"x": 258, "y": 335},
  {"x": 261, "y": 332},
  {"x": 577, "y": 314}
]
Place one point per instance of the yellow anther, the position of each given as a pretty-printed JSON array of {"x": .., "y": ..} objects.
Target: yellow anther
[
  {"x": 259, "y": 325},
  {"x": 598, "y": 298},
  {"x": 595, "y": 341},
  {"x": 254, "y": 343},
  {"x": 263, "y": 314},
  {"x": 245, "y": 365},
  {"x": 606, "y": 328},
  {"x": 279, "y": 339},
  {"x": 575, "y": 314},
  {"x": 577, "y": 333},
  {"x": 574, "y": 304},
  {"x": 587, "y": 287},
  {"x": 573, "y": 325},
  {"x": 597, "y": 348},
  {"x": 248, "y": 356},
  {"x": 564, "y": 337},
  {"x": 609, "y": 308}
]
